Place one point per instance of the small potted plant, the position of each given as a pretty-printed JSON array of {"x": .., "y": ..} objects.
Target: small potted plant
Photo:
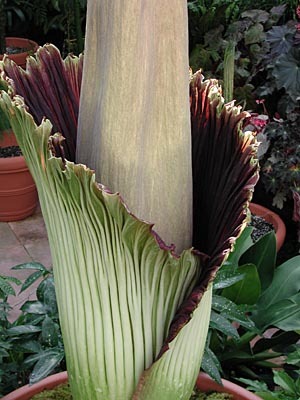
[
  {"x": 16, "y": 48},
  {"x": 134, "y": 301},
  {"x": 18, "y": 194}
]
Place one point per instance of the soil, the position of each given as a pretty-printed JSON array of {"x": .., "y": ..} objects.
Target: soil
[
  {"x": 62, "y": 392},
  {"x": 10, "y": 151},
  {"x": 260, "y": 227}
]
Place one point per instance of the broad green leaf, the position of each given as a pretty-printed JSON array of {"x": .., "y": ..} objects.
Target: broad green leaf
[
  {"x": 241, "y": 245},
  {"x": 256, "y": 15},
  {"x": 294, "y": 357},
  {"x": 263, "y": 255},
  {"x": 269, "y": 396},
  {"x": 32, "y": 346},
  {"x": 227, "y": 276},
  {"x": 46, "y": 363},
  {"x": 22, "y": 330},
  {"x": 34, "y": 307},
  {"x": 283, "y": 380},
  {"x": 286, "y": 72},
  {"x": 254, "y": 386},
  {"x": 211, "y": 365},
  {"x": 255, "y": 34},
  {"x": 284, "y": 314},
  {"x": 246, "y": 291},
  {"x": 235, "y": 356},
  {"x": 286, "y": 283},
  {"x": 280, "y": 39}
]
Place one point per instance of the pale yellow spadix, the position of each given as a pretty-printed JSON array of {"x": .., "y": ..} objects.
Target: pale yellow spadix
[{"x": 134, "y": 122}]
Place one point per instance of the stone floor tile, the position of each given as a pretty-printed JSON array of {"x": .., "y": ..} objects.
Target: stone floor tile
[
  {"x": 12, "y": 256},
  {"x": 39, "y": 251},
  {"x": 7, "y": 236},
  {"x": 29, "y": 229}
]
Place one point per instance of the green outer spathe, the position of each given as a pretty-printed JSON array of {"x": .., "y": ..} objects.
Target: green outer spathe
[{"x": 117, "y": 290}]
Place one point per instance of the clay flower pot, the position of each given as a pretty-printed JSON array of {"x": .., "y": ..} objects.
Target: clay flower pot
[
  {"x": 204, "y": 383},
  {"x": 18, "y": 194},
  {"x": 272, "y": 218},
  {"x": 28, "y": 46}
]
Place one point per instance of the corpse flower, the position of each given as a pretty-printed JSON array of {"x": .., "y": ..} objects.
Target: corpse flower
[{"x": 134, "y": 298}]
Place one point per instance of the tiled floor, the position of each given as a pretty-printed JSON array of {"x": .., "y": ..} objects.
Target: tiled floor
[{"x": 21, "y": 242}]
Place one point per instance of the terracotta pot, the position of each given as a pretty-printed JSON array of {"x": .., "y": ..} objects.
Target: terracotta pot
[
  {"x": 272, "y": 218},
  {"x": 20, "y": 58},
  {"x": 18, "y": 194},
  {"x": 204, "y": 383}
]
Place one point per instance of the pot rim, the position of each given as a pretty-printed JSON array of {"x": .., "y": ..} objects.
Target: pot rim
[{"x": 204, "y": 382}]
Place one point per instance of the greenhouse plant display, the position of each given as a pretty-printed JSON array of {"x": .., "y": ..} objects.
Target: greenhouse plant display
[{"x": 134, "y": 298}]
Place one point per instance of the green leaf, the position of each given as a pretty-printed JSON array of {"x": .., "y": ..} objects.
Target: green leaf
[
  {"x": 242, "y": 244},
  {"x": 287, "y": 72},
  {"x": 284, "y": 314},
  {"x": 256, "y": 15},
  {"x": 217, "y": 321},
  {"x": 211, "y": 365},
  {"x": 34, "y": 307},
  {"x": 263, "y": 255},
  {"x": 32, "y": 346},
  {"x": 230, "y": 310},
  {"x": 30, "y": 265},
  {"x": 3, "y": 353},
  {"x": 283, "y": 380},
  {"x": 31, "y": 279},
  {"x": 255, "y": 34},
  {"x": 49, "y": 332},
  {"x": 47, "y": 362},
  {"x": 46, "y": 294},
  {"x": 227, "y": 276},
  {"x": 12, "y": 279},
  {"x": 294, "y": 357},
  {"x": 6, "y": 288},
  {"x": 22, "y": 330},
  {"x": 269, "y": 396},
  {"x": 254, "y": 386},
  {"x": 286, "y": 283},
  {"x": 246, "y": 291},
  {"x": 280, "y": 39}
]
